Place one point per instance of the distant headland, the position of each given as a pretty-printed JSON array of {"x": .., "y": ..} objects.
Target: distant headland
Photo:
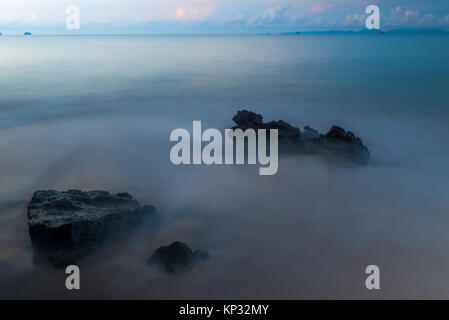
[{"x": 373, "y": 31}]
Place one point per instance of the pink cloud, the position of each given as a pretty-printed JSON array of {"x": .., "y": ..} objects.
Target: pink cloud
[
  {"x": 319, "y": 8},
  {"x": 194, "y": 9}
]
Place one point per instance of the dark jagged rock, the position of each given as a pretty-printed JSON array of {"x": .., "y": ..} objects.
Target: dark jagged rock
[
  {"x": 247, "y": 118},
  {"x": 310, "y": 133},
  {"x": 176, "y": 256},
  {"x": 337, "y": 140},
  {"x": 345, "y": 144},
  {"x": 74, "y": 224},
  {"x": 250, "y": 120}
]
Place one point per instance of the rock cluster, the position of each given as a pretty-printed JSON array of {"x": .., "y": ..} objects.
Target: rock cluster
[
  {"x": 73, "y": 224},
  {"x": 337, "y": 140}
]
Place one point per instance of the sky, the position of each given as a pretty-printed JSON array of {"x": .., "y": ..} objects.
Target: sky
[{"x": 218, "y": 16}]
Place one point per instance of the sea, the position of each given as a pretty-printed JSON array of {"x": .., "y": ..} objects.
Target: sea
[{"x": 96, "y": 113}]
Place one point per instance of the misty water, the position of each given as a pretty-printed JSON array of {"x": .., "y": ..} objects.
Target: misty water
[{"x": 96, "y": 112}]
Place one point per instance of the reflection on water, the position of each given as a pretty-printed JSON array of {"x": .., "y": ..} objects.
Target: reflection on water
[{"x": 96, "y": 113}]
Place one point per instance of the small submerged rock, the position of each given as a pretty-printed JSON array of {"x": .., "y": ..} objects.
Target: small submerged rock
[
  {"x": 176, "y": 256},
  {"x": 73, "y": 224},
  {"x": 337, "y": 141}
]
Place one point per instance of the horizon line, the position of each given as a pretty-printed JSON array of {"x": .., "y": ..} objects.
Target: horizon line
[{"x": 336, "y": 31}]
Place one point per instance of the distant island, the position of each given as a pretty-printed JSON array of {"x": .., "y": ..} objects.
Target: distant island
[
  {"x": 374, "y": 31},
  {"x": 27, "y": 34}
]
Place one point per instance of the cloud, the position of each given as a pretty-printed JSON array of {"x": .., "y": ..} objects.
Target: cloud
[
  {"x": 410, "y": 15},
  {"x": 195, "y": 9},
  {"x": 319, "y": 8},
  {"x": 270, "y": 16},
  {"x": 427, "y": 20},
  {"x": 53, "y": 11},
  {"x": 412, "y": 18},
  {"x": 354, "y": 19},
  {"x": 223, "y": 15},
  {"x": 402, "y": 15}
]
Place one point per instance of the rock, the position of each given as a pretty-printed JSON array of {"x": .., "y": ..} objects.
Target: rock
[
  {"x": 247, "y": 118},
  {"x": 345, "y": 144},
  {"x": 73, "y": 224},
  {"x": 250, "y": 120},
  {"x": 310, "y": 133},
  {"x": 176, "y": 256},
  {"x": 337, "y": 141}
]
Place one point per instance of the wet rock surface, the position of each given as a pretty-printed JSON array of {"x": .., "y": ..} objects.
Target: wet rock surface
[
  {"x": 73, "y": 224},
  {"x": 250, "y": 120},
  {"x": 176, "y": 256},
  {"x": 337, "y": 140}
]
